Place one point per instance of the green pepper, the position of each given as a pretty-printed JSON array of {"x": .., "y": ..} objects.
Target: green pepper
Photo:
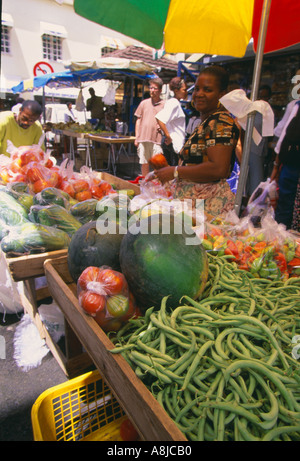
[
  {"x": 256, "y": 265},
  {"x": 207, "y": 245},
  {"x": 269, "y": 270},
  {"x": 289, "y": 249},
  {"x": 117, "y": 305}
]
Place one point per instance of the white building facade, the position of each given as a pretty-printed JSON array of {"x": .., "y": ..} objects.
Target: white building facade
[{"x": 38, "y": 35}]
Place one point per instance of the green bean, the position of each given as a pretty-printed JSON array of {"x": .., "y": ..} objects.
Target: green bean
[
  {"x": 256, "y": 350},
  {"x": 120, "y": 349},
  {"x": 154, "y": 352},
  {"x": 272, "y": 415},
  {"x": 252, "y": 364},
  {"x": 242, "y": 427},
  {"x": 149, "y": 368},
  {"x": 183, "y": 361},
  {"x": 195, "y": 363},
  {"x": 277, "y": 431},
  {"x": 223, "y": 406},
  {"x": 167, "y": 329},
  {"x": 207, "y": 311}
]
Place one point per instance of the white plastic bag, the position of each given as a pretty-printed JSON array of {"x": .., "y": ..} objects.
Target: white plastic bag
[
  {"x": 10, "y": 300},
  {"x": 261, "y": 200},
  {"x": 110, "y": 97},
  {"x": 53, "y": 319}
]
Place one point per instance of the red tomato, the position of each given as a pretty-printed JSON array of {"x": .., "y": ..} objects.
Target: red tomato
[
  {"x": 158, "y": 161},
  {"x": 15, "y": 166},
  {"x": 19, "y": 177},
  {"x": 49, "y": 163},
  {"x": 113, "y": 281},
  {"x": 91, "y": 302},
  {"x": 67, "y": 187},
  {"x": 80, "y": 185},
  {"x": 102, "y": 318},
  {"x": 40, "y": 185},
  {"x": 27, "y": 157},
  {"x": 89, "y": 274},
  {"x": 106, "y": 187},
  {"x": 83, "y": 195},
  {"x": 97, "y": 192},
  {"x": 34, "y": 174},
  {"x": 53, "y": 178},
  {"x": 128, "y": 432}
]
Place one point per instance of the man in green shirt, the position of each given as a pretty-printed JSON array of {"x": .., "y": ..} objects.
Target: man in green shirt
[{"x": 22, "y": 129}]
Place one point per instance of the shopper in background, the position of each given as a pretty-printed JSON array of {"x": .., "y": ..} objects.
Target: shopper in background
[
  {"x": 147, "y": 132},
  {"x": 69, "y": 115},
  {"x": 208, "y": 155},
  {"x": 96, "y": 106},
  {"x": 287, "y": 167},
  {"x": 22, "y": 129},
  {"x": 172, "y": 122},
  {"x": 281, "y": 124},
  {"x": 296, "y": 213}
]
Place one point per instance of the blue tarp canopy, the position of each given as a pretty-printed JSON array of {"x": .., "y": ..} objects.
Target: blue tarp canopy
[{"x": 80, "y": 72}]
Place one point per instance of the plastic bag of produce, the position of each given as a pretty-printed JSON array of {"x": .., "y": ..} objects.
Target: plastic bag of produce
[
  {"x": 103, "y": 293},
  {"x": 151, "y": 187}
]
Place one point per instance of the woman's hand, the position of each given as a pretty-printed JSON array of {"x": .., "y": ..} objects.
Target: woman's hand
[
  {"x": 168, "y": 140},
  {"x": 165, "y": 174}
]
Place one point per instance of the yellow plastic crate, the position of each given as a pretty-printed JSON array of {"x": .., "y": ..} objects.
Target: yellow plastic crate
[{"x": 82, "y": 408}]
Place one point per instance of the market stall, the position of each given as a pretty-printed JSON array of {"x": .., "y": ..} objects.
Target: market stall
[
  {"x": 185, "y": 327},
  {"x": 194, "y": 326},
  {"x": 27, "y": 238}
]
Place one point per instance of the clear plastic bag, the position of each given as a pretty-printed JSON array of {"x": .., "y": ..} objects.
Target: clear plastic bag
[
  {"x": 261, "y": 201},
  {"x": 104, "y": 294}
]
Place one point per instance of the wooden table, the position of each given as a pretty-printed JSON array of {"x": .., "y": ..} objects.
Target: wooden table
[
  {"x": 152, "y": 422},
  {"x": 116, "y": 144}
]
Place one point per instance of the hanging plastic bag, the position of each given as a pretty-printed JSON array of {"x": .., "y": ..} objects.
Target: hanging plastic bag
[
  {"x": 260, "y": 202},
  {"x": 110, "y": 97},
  {"x": 80, "y": 106}
]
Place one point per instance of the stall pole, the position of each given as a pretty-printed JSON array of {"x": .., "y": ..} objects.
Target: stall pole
[{"x": 254, "y": 92}]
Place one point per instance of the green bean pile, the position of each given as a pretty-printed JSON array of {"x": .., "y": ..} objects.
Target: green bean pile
[{"x": 222, "y": 367}]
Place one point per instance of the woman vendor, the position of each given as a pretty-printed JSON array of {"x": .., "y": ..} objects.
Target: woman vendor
[{"x": 208, "y": 155}]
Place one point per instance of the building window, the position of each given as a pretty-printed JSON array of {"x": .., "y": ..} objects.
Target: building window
[
  {"x": 52, "y": 47},
  {"x": 5, "y": 39}
]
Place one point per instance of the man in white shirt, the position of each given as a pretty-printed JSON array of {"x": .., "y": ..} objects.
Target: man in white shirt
[{"x": 69, "y": 115}]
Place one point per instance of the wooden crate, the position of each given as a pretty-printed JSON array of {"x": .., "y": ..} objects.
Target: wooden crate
[
  {"x": 27, "y": 268},
  {"x": 153, "y": 422}
]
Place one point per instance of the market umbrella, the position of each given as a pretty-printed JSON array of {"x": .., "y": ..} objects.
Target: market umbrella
[
  {"x": 199, "y": 26},
  {"x": 88, "y": 71}
]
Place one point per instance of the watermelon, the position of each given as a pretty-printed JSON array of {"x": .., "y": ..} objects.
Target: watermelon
[
  {"x": 157, "y": 262},
  {"x": 90, "y": 247}
]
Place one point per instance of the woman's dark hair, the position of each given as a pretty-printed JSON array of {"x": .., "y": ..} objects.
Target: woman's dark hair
[
  {"x": 33, "y": 106},
  {"x": 176, "y": 83},
  {"x": 219, "y": 73}
]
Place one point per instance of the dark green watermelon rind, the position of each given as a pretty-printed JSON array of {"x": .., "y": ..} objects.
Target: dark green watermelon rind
[{"x": 159, "y": 265}]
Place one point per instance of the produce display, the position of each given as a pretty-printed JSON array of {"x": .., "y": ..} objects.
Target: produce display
[
  {"x": 88, "y": 247},
  {"x": 42, "y": 205},
  {"x": 211, "y": 328},
  {"x": 156, "y": 263},
  {"x": 223, "y": 367},
  {"x": 268, "y": 251},
  {"x": 104, "y": 294}
]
